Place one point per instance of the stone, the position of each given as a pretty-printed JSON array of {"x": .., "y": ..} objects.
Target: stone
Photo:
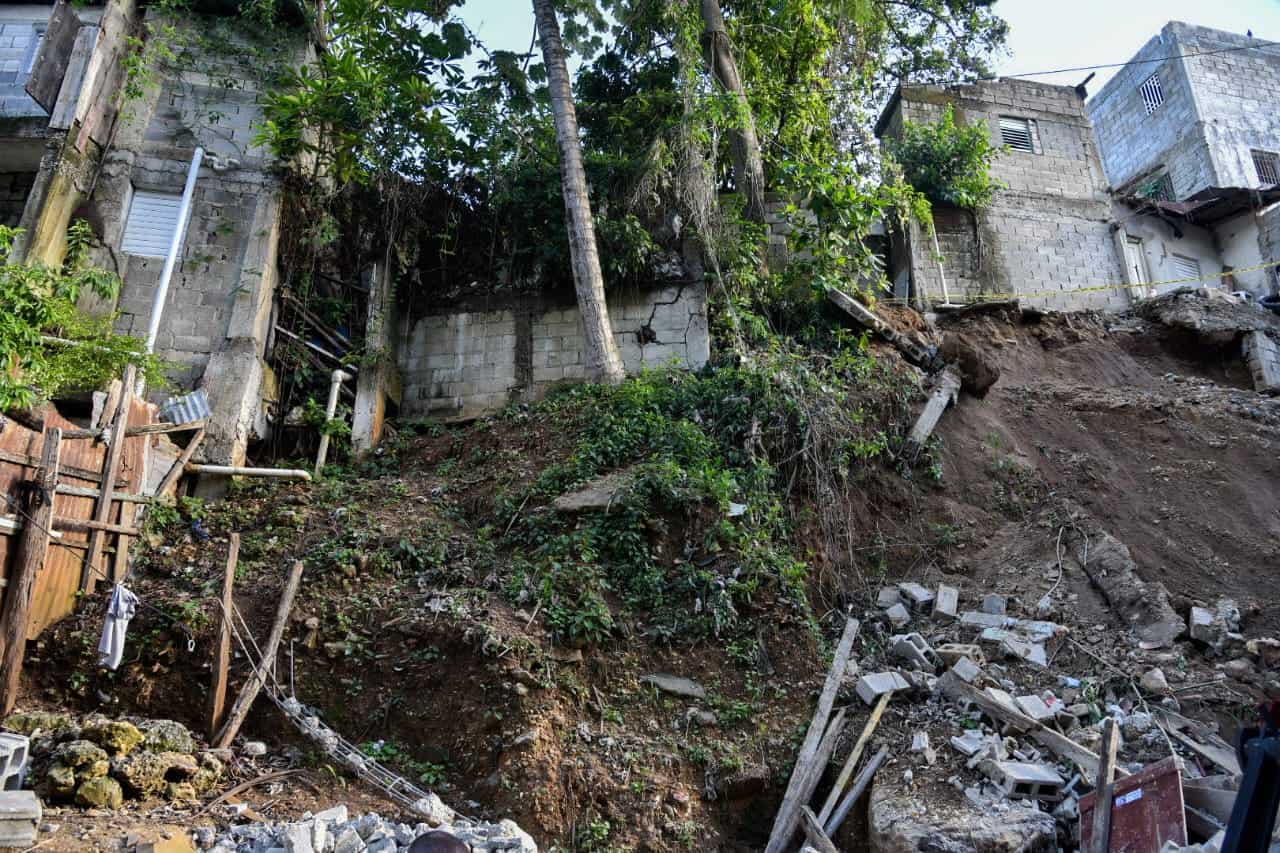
[
  {"x": 873, "y": 685},
  {"x": 1153, "y": 681},
  {"x": 1204, "y": 626},
  {"x": 898, "y": 822},
  {"x": 253, "y": 748},
  {"x": 976, "y": 363},
  {"x": 887, "y": 597},
  {"x": 597, "y": 495},
  {"x": 45, "y": 722},
  {"x": 60, "y": 780},
  {"x": 946, "y": 603},
  {"x": 86, "y": 759},
  {"x": 676, "y": 685},
  {"x": 1266, "y": 650},
  {"x": 348, "y": 841},
  {"x": 381, "y": 845},
  {"x": 919, "y": 599},
  {"x": 149, "y": 773},
  {"x": 898, "y": 615},
  {"x": 1241, "y": 669},
  {"x": 296, "y": 838},
  {"x": 117, "y": 737},
  {"x": 336, "y": 814},
  {"x": 434, "y": 810},
  {"x": 1228, "y": 613},
  {"x": 1034, "y": 707},
  {"x": 994, "y": 604},
  {"x": 914, "y": 650},
  {"x": 966, "y": 670},
  {"x": 166, "y": 736},
  {"x": 101, "y": 792}
]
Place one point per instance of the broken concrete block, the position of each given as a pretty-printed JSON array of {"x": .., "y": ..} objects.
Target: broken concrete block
[
  {"x": 1034, "y": 707},
  {"x": 1032, "y": 653},
  {"x": 20, "y": 814},
  {"x": 919, "y": 741},
  {"x": 995, "y": 636},
  {"x": 1262, "y": 354},
  {"x": 952, "y": 652},
  {"x": 913, "y": 649},
  {"x": 946, "y": 602},
  {"x": 1153, "y": 681},
  {"x": 979, "y": 621},
  {"x": 994, "y": 604},
  {"x": 1205, "y": 627},
  {"x": 966, "y": 670},
  {"x": 970, "y": 743},
  {"x": 919, "y": 599},
  {"x": 1022, "y": 780},
  {"x": 1002, "y": 698},
  {"x": 887, "y": 597},
  {"x": 898, "y": 615},
  {"x": 1037, "y": 631},
  {"x": 875, "y": 684}
]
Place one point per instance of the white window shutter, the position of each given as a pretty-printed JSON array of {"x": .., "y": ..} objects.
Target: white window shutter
[
  {"x": 148, "y": 231},
  {"x": 1184, "y": 267}
]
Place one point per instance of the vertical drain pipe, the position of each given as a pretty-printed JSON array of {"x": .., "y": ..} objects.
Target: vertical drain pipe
[
  {"x": 937, "y": 256},
  {"x": 179, "y": 231},
  {"x": 335, "y": 385}
]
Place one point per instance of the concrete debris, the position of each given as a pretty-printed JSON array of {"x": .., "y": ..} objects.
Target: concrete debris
[
  {"x": 20, "y": 813},
  {"x": 898, "y": 615},
  {"x": 914, "y": 650},
  {"x": 976, "y": 620},
  {"x": 899, "y": 821},
  {"x": 994, "y": 604},
  {"x": 873, "y": 685},
  {"x": 971, "y": 742},
  {"x": 597, "y": 495},
  {"x": 676, "y": 685},
  {"x": 966, "y": 669},
  {"x": 946, "y": 603},
  {"x": 887, "y": 597},
  {"x": 1034, "y": 707},
  {"x": 1020, "y": 780},
  {"x": 1153, "y": 681},
  {"x": 952, "y": 652},
  {"x": 1144, "y": 606},
  {"x": 919, "y": 599},
  {"x": 332, "y": 831}
]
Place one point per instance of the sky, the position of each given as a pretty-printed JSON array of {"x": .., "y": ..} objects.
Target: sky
[{"x": 1043, "y": 34}]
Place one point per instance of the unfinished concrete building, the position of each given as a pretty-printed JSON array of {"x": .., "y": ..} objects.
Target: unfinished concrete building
[
  {"x": 1190, "y": 140},
  {"x": 1047, "y": 236}
]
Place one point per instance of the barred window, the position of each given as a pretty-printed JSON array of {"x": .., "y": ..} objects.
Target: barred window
[
  {"x": 1019, "y": 134},
  {"x": 1159, "y": 188},
  {"x": 1267, "y": 165},
  {"x": 1152, "y": 94}
]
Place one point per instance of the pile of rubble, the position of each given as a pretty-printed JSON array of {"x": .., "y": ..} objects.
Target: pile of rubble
[
  {"x": 333, "y": 831},
  {"x": 96, "y": 762},
  {"x": 1017, "y": 744}
]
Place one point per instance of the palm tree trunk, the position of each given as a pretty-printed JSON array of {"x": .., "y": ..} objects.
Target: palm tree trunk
[
  {"x": 748, "y": 166},
  {"x": 602, "y": 362}
]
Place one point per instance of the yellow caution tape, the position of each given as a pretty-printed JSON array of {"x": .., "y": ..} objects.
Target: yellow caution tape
[{"x": 1000, "y": 297}]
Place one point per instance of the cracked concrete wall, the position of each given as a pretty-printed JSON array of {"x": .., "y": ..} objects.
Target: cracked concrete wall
[
  {"x": 1047, "y": 235},
  {"x": 462, "y": 364}
]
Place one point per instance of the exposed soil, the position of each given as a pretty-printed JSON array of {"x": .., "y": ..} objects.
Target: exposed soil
[{"x": 1112, "y": 422}]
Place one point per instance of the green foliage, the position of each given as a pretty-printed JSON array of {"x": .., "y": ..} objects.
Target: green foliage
[
  {"x": 397, "y": 754},
  {"x": 47, "y": 345},
  {"x": 948, "y": 162}
]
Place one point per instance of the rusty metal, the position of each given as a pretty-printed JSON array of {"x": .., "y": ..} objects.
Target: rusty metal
[{"x": 1147, "y": 810}]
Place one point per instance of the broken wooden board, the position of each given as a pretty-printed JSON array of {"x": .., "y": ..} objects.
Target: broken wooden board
[{"x": 1147, "y": 810}]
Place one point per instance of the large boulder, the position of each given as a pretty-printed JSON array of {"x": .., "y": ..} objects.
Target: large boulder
[
  {"x": 85, "y": 758},
  {"x": 115, "y": 736},
  {"x": 166, "y": 736},
  {"x": 945, "y": 821},
  {"x": 148, "y": 774},
  {"x": 100, "y": 793}
]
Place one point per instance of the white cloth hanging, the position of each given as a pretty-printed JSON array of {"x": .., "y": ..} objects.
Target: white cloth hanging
[{"x": 111, "y": 647}]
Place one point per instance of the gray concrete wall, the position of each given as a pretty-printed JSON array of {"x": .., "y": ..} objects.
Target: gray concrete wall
[
  {"x": 1269, "y": 245},
  {"x": 14, "y": 188},
  {"x": 1160, "y": 245},
  {"x": 1048, "y": 233},
  {"x": 1217, "y": 107},
  {"x": 17, "y": 37},
  {"x": 465, "y": 363}
]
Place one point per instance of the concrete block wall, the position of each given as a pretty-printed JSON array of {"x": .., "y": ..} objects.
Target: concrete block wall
[
  {"x": 18, "y": 24},
  {"x": 14, "y": 189},
  {"x": 465, "y": 363},
  {"x": 1047, "y": 234}
]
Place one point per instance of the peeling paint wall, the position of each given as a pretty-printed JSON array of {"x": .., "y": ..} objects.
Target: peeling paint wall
[{"x": 466, "y": 363}]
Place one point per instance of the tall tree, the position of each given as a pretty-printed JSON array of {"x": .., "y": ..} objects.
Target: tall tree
[
  {"x": 603, "y": 363},
  {"x": 748, "y": 165}
]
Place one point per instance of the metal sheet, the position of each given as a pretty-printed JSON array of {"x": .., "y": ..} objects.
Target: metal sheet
[{"x": 1147, "y": 810}]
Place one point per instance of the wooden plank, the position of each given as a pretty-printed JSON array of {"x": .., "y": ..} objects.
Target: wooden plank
[
  {"x": 813, "y": 831},
  {"x": 86, "y": 492},
  {"x": 28, "y": 461},
  {"x": 222, "y": 655},
  {"x": 115, "y": 452},
  {"x": 235, "y": 719},
  {"x": 64, "y": 108},
  {"x": 852, "y": 761},
  {"x": 1100, "y": 838},
  {"x": 32, "y": 551},
  {"x": 1215, "y": 755},
  {"x": 67, "y": 523},
  {"x": 55, "y": 53},
  {"x": 784, "y": 826},
  {"x": 180, "y": 464}
]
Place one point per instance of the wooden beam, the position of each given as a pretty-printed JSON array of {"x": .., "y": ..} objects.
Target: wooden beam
[
  {"x": 27, "y": 461},
  {"x": 115, "y": 453},
  {"x": 32, "y": 550},
  {"x": 222, "y": 655},
  {"x": 818, "y": 839},
  {"x": 1100, "y": 840},
  {"x": 859, "y": 786},
  {"x": 180, "y": 464},
  {"x": 92, "y": 526},
  {"x": 784, "y": 826},
  {"x": 235, "y": 719},
  {"x": 852, "y": 761},
  {"x": 86, "y": 492},
  {"x": 141, "y": 429}
]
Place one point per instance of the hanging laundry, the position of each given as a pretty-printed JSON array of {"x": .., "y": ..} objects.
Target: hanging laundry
[{"x": 111, "y": 647}]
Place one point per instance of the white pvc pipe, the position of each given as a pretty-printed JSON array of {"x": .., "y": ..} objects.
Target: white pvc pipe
[
  {"x": 171, "y": 260},
  {"x": 335, "y": 385},
  {"x": 237, "y": 471},
  {"x": 937, "y": 256}
]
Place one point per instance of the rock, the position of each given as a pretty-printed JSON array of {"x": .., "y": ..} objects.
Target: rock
[
  {"x": 149, "y": 773},
  {"x": 901, "y": 822},
  {"x": 978, "y": 370},
  {"x": 117, "y": 737},
  {"x": 1153, "y": 681},
  {"x": 46, "y": 722},
  {"x": 1241, "y": 669},
  {"x": 60, "y": 780},
  {"x": 86, "y": 759},
  {"x": 166, "y": 736},
  {"x": 1266, "y": 650},
  {"x": 253, "y": 748},
  {"x": 348, "y": 841},
  {"x": 676, "y": 685},
  {"x": 181, "y": 792},
  {"x": 102, "y": 792},
  {"x": 1145, "y": 606},
  {"x": 599, "y": 494},
  {"x": 434, "y": 810}
]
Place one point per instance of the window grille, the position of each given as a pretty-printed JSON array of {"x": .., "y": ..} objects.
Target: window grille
[
  {"x": 1184, "y": 267},
  {"x": 1158, "y": 189},
  {"x": 1152, "y": 94},
  {"x": 1018, "y": 133},
  {"x": 1267, "y": 165},
  {"x": 149, "y": 229}
]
